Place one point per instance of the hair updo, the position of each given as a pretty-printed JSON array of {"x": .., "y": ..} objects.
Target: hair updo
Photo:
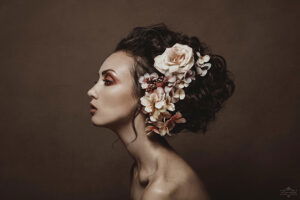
[{"x": 204, "y": 97}]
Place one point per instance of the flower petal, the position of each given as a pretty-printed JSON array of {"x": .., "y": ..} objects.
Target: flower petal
[
  {"x": 148, "y": 109},
  {"x": 173, "y": 68},
  {"x": 152, "y": 118},
  {"x": 206, "y": 66},
  {"x": 141, "y": 79},
  {"x": 176, "y": 94},
  {"x": 180, "y": 76},
  {"x": 159, "y": 93},
  {"x": 181, "y": 85},
  {"x": 154, "y": 75},
  {"x": 146, "y": 75},
  {"x": 163, "y": 132},
  {"x": 144, "y": 85},
  {"x": 159, "y": 104},
  {"x": 199, "y": 70},
  {"x": 181, "y": 94},
  {"x": 203, "y": 73},
  {"x": 200, "y": 61},
  {"x": 168, "y": 89},
  {"x": 188, "y": 80},
  {"x": 144, "y": 101},
  {"x": 181, "y": 120},
  {"x": 206, "y": 58},
  {"x": 172, "y": 79},
  {"x": 171, "y": 107}
]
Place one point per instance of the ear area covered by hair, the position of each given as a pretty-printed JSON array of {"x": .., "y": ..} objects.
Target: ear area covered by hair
[{"x": 180, "y": 82}]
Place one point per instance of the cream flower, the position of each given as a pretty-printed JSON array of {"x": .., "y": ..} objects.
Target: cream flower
[
  {"x": 185, "y": 82},
  {"x": 201, "y": 65},
  {"x": 202, "y": 69},
  {"x": 169, "y": 105},
  {"x": 190, "y": 76},
  {"x": 155, "y": 103},
  {"x": 179, "y": 58},
  {"x": 156, "y": 126},
  {"x": 162, "y": 92},
  {"x": 179, "y": 94},
  {"x": 147, "y": 79},
  {"x": 164, "y": 126},
  {"x": 202, "y": 59},
  {"x": 154, "y": 117},
  {"x": 153, "y": 100}
]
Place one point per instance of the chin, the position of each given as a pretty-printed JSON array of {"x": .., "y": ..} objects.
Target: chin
[
  {"x": 96, "y": 121},
  {"x": 99, "y": 122}
]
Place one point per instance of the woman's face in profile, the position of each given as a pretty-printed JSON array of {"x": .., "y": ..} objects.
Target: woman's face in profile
[{"x": 112, "y": 94}]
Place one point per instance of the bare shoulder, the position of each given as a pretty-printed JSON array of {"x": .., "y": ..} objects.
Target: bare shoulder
[
  {"x": 177, "y": 180},
  {"x": 157, "y": 191},
  {"x": 160, "y": 188},
  {"x": 189, "y": 186}
]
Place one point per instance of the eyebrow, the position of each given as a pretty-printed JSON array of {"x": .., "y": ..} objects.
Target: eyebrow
[{"x": 106, "y": 71}]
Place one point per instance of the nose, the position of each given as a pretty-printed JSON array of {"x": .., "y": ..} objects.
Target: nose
[{"x": 92, "y": 93}]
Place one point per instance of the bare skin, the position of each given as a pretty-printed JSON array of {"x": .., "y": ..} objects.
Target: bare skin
[
  {"x": 158, "y": 171},
  {"x": 172, "y": 178}
]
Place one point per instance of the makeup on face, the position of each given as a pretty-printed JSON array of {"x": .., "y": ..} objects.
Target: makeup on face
[
  {"x": 109, "y": 79},
  {"x": 93, "y": 109},
  {"x": 112, "y": 92},
  {"x": 109, "y": 76}
]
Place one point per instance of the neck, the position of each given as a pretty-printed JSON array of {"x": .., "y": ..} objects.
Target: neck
[{"x": 145, "y": 150}]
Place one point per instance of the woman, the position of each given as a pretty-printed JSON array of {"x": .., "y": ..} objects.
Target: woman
[{"x": 155, "y": 84}]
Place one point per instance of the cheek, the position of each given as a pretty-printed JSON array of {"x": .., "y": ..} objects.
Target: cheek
[{"x": 117, "y": 102}]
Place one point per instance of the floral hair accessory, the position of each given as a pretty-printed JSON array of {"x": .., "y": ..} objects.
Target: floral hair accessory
[
  {"x": 162, "y": 92},
  {"x": 202, "y": 66}
]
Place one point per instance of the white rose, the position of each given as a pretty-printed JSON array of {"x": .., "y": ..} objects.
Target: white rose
[{"x": 179, "y": 58}]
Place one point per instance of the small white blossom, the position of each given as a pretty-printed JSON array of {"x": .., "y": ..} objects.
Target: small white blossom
[
  {"x": 202, "y": 59},
  {"x": 147, "y": 78},
  {"x": 202, "y": 69},
  {"x": 179, "y": 93}
]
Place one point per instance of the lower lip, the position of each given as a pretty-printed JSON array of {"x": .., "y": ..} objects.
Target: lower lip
[{"x": 93, "y": 111}]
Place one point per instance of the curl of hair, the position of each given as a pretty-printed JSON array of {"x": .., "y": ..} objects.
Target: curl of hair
[{"x": 204, "y": 97}]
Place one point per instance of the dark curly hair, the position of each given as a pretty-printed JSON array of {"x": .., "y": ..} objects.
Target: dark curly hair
[{"x": 205, "y": 96}]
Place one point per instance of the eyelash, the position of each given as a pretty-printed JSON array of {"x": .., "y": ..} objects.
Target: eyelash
[{"x": 105, "y": 81}]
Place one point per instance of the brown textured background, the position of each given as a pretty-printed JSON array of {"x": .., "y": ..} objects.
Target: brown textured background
[{"x": 50, "y": 53}]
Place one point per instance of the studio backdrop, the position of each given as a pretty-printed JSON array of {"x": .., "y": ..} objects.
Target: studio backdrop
[{"x": 51, "y": 52}]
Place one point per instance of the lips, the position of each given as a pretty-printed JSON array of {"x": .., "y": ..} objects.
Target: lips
[{"x": 93, "y": 109}]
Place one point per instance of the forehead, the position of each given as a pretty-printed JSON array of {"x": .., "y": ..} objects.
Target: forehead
[{"x": 119, "y": 61}]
